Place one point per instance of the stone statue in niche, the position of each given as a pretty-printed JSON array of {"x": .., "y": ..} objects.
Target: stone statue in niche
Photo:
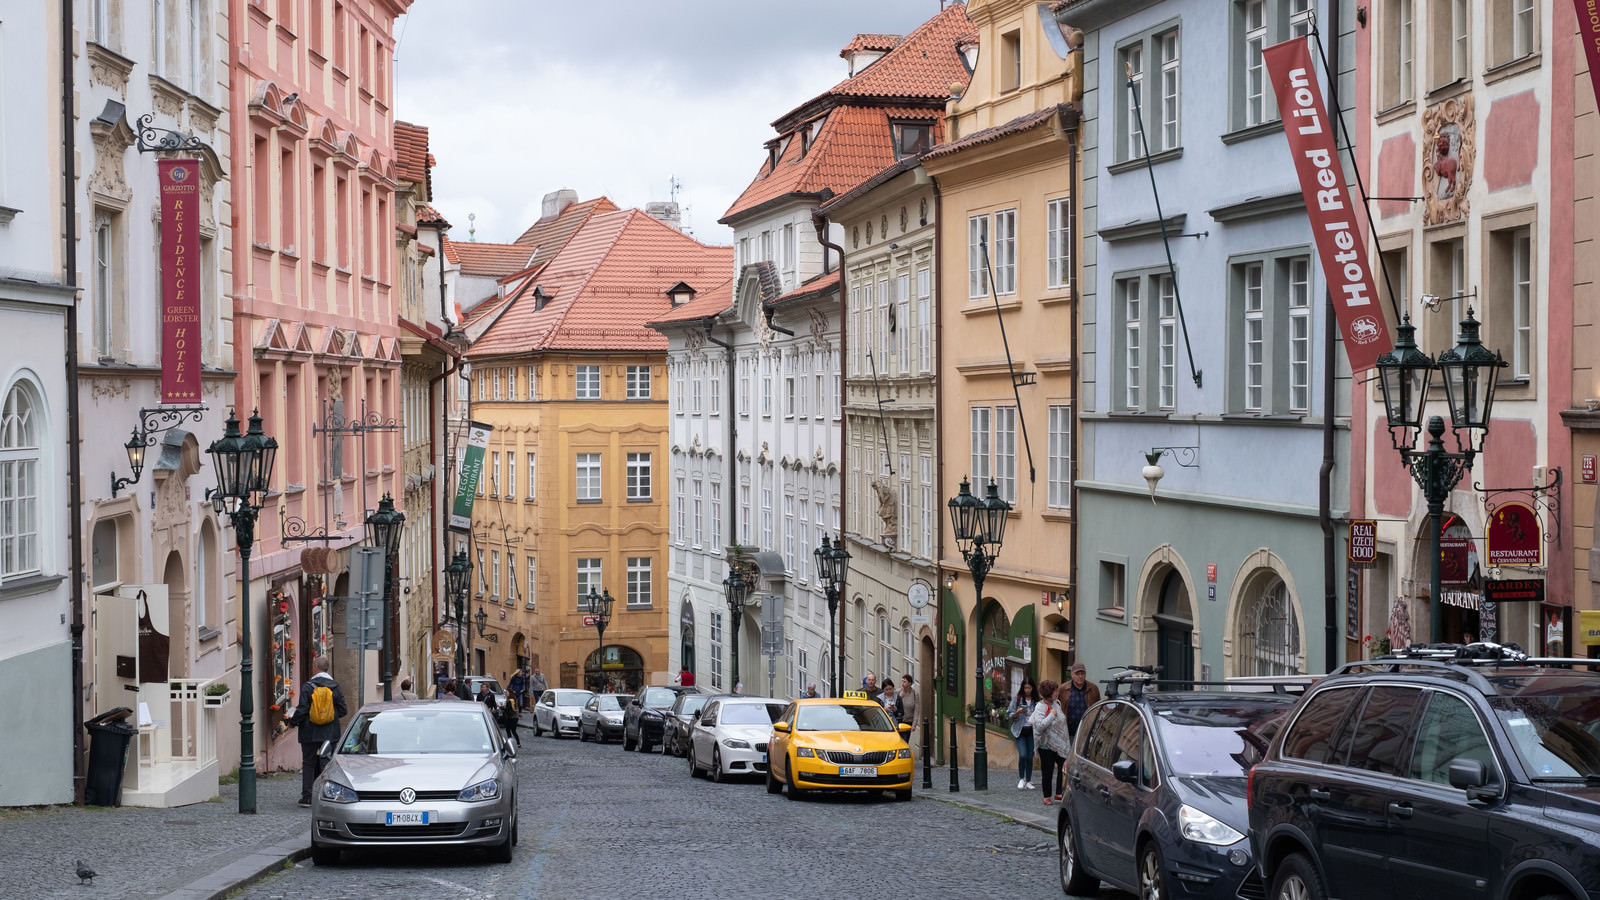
[
  {"x": 888, "y": 508},
  {"x": 1449, "y": 151}
]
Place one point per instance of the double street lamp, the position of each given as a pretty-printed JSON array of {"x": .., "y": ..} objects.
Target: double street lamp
[
  {"x": 833, "y": 563},
  {"x": 457, "y": 581},
  {"x": 244, "y": 476},
  {"x": 599, "y": 606},
  {"x": 738, "y": 592},
  {"x": 383, "y": 533},
  {"x": 980, "y": 527},
  {"x": 1469, "y": 374}
]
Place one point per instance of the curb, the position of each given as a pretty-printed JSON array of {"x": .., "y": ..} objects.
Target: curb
[
  {"x": 245, "y": 871},
  {"x": 1031, "y": 820}
]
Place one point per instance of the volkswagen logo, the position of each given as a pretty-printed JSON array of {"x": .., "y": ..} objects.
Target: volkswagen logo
[{"x": 408, "y": 796}]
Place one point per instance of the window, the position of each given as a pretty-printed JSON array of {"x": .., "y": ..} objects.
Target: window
[
  {"x": 1005, "y": 451},
  {"x": 744, "y": 386},
  {"x": 924, "y": 320},
  {"x": 699, "y": 513},
  {"x": 713, "y": 382},
  {"x": 511, "y": 475},
  {"x": 21, "y": 436},
  {"x": 107, "y": 286},
  {"x": 680, "y": 503},
  {"x": 1399, "y": 53},
  {"x": 511, "y": 383},
  {"x": 1010, "y": 60},
  {"x": 1259, "y": 24},
  {"x": 1170, "y": 99},
  {"x": 1300, "y": 334},
  {"x": 1059, "y": 473},
  {"x": 533, "y": 384},
  {"x": 902, "y": 327},
  {"x": 1447, "y": 730},
  {"x": 766, "y": 387},
  {"x": 977, "y": 272},
  {"x": 885, "y": 646},
  {"x": 979, "y": 470},
  {"x": 1385, "y": 724},
  {"x": 639, "y": 582},
  {"x": 1446, "y": 277},
  {"x": 911, "y": 138},
  {"x": 1130, "y": 296},
  {"x": 788, "y": 533},
  {"x": 744, "y": 511},
  {"x": 1270, "y": 340},
  {"x": 1448, "y": 24},
  {"x": 533, "y": 478},
  {"x": 766, "y": 509},
  {"x": 1158, "y": 107},
  {"x": 588, "y": 580},
  {"x": 1514, "y": 26},
  {"x": 588, "y": 478},
  {"x": 588, "y": 383},
  {"x": 1254, "y": 338},
  {"x": 497, "y": 381},
  {"x": 716, "y": 649},
  {"x": 926, "y": 511},
  {"x": 1132, "y": 67},
  {"x": 1508, "y": 312},
  {"x": 1255, "y": 67},
  {"x": 788, "y": 397},
  {"x": 1166, "y": 341},
  {"x": 494, "y": 473},
  {"x": 100, "y": 22},
  {"x": 1269, "y": 642},
  {"x": 533, "y": 580},
  {"x": 494, "y": 574},
  {"x": 638, "y": 476},
  {"x": 1058, "y": 244},
  {"x": 696, "y": 388},
  {"x": 638, "y": 382},
  {"x": 716, "y": 516},
  {"x": 1112, "y": 580},
  {"x": 1005, "y": 251}
]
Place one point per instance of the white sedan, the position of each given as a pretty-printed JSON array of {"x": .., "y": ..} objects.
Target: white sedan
[
  {"x": 557, "y": 711},
  {"x": 730, "y": 736}
]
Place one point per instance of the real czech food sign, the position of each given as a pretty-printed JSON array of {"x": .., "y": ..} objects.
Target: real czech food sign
[
  {"x": 180, "y": 280},
  {"x": 1333, "y": 216}
]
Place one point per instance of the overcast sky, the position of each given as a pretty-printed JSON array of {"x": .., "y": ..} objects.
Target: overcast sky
[{"x": 522, "y": 97}]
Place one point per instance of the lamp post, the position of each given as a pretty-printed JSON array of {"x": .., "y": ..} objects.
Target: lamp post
[
  {"x": 833, "y": 564},
  {"x": 738, "y": 591},
  {"x": 383, "y": 532},
  {"x": 1468, "y": 372},
  {"x": 600, "y": 611},
  {"x": 458, "y": 580},
  {"x": 980, "y": 527},
  {"x": 244, "y": 473}
]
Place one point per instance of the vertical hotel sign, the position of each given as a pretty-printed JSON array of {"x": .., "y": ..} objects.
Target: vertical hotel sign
[
  {"x": 1333, "y": 217},
  {"x": 180, "y": 280},
  {"x": 471, "y": 472},
  {"x": 1589, "y": 28}
]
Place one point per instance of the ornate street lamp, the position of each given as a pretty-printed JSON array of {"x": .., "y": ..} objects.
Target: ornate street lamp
[
  {"x": 833, "y": 564},
  {"x": 980, "y": 527},
  {"x": 481, "y": 619},
  {"x": 738, "y": 591},
  {"x": 600, "y": 610},
  {"x": 244, "y": 475},
  {"x": 384, "y": 527},
  {"x": 458, "y": 580},
  {"x": 1469, "y": 377}
]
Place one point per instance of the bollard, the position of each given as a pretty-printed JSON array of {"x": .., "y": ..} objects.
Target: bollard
[
  {"x": 927, "y": 755},
  {"x": 955, "y": 777}
]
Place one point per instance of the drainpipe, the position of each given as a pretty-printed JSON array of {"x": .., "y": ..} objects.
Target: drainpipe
[
  {"x": 69, "y": 177},
  {"x": 1330, "y": 580},
  {"x": 441, "y": 483},
  {"x": 819, "y": 221},
  {"x": 733, "y": 432},
  {"x": 1077, "y": 383},
  {"x": 938, "y": 461}
]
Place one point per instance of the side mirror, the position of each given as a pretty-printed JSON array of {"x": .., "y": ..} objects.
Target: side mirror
[
  {"x": 1125, "y": 770},
  {"x": 696, "y": 716},
  {"x": 508, "y": 753},
  {"x": 781, "y": 727},
  {"x": 905, "y": 728},
  {"x": 1472, "y": 776}
]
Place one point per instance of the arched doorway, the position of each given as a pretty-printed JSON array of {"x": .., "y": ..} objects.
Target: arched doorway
[
  {"x": 686, "y": 638},
  {"x": 519, "y": 650},
  {"x": 1269, "y": 634},
  {"x": 613, "y": 668},
  {"x": 1174, "y": 630}
]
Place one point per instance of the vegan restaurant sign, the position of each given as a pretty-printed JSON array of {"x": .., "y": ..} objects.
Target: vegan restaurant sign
[
  {"x": 471, "y": 472},
  {"x": 1333, "y": 217},
  {"x": 180, "y": 296}
]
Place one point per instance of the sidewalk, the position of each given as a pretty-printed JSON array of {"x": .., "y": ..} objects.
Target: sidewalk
[
  {"x": 1025, "y": 807},
  {"x": 195, "y": 852}
]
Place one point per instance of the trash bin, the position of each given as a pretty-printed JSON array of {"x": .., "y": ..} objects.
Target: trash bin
[{"x": 109, "y": 734}]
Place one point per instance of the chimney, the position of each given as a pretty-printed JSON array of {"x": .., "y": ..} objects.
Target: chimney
[
  {"x": 666, "y": 212},
  {"x": 556, "y": 201}
]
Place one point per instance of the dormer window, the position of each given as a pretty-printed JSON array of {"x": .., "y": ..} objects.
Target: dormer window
[
  {"x": 912, "y": 138},
  {"x": 540, "y": 298},
  {"x": 809, "y": 132}
]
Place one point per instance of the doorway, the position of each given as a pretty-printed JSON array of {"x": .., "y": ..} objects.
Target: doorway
[{"x": 1174, "y": 631}]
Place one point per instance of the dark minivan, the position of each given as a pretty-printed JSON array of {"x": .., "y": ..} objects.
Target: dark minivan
[{"x": 1428, "y": 774}]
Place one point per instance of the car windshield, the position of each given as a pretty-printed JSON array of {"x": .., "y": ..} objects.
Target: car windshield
[
  {"x": 842, "y": 717},
  {"x": 609, "y": 702},
  {"x": 403, "y": 732},
  {"x": 751, "y": 713},
  {"x": 1555, "y": 727},
  {"x": 659, "y": 698},
  {"x": 692, "y": 704},
  {"x": 1218, "y": 739},
  {"x": 478, "y": 684},
  {"x": 572, "y": 698}
]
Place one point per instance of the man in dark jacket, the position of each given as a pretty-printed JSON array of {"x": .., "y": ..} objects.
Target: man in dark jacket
[
  {"x": 1078, "y": 695},
  {"x": 312, "y": 736}
]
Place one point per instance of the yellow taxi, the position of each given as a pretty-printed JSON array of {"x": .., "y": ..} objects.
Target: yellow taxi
[{"x": 838, "y": 744}]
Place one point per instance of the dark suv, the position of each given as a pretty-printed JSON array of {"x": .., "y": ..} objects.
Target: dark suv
[
  {"x": 1441, "y": 772},
  {"x": 646, "y": 714},
  {"x": 1155, "y": 788}
]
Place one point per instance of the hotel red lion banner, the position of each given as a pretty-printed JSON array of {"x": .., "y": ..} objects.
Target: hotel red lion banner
[
  {"x": 1333, "y": 215},
  {"x": 180, "y": 294},
  {"x": 1589, "y": 28}
]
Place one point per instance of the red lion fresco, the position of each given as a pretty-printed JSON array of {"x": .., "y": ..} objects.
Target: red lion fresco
[{"x": 1444, "y": 165}]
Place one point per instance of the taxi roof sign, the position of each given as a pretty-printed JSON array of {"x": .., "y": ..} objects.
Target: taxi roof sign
[{"x": 856, "y": 695}]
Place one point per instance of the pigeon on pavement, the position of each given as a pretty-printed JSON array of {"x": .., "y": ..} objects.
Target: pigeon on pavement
[{"x": 85, "y": 874}]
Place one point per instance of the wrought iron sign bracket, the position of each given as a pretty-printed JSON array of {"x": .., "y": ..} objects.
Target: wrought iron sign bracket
[
  {"x": 1187, "y": 457},
  {"x": 1545, "y": 501},
  {"x": 155, "y": 139}
]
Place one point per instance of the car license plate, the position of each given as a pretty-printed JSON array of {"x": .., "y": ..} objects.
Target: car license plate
[
  {"x": 858, "y": 771},
  {"x": 407, "y": 818}
]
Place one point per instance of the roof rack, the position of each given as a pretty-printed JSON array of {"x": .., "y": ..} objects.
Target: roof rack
[
  {"x": 1139, "y": 679},
  {"x": 1461, "y": 661}
]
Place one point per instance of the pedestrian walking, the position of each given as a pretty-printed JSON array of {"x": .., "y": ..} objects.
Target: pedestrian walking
[
  {"x": 518, "y": 686},
  {"x": 536, "y": 684},
  {"x": 447, "y": 690},
  {"x": 317, "y": 718},
  {"x": 1049, "y": 722},
  {"x": 406, "y": 693},
  {"x": 510, "y": 718},
  {"x": 1022, "y": 732},
  {"x": 1081, "y": 693},
  {"x": 869, "y": 684},
  {"x": 486, "y": 697},
  {"x": 908, "y": 704},
  {"x": 811, "y": 691}
]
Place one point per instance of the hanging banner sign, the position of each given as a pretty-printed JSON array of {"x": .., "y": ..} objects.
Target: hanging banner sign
[
  {"x": 1589, "y": 30},
  {"x": 1514, "y": 536},
  {"x": 1362, "y": 549},
  {"x": 1328, "y": 204},
  {"x": 471, "y": 471},
  {"x": 179, "y": 180}
]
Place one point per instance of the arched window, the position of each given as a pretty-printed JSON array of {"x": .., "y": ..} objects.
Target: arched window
[
  {"x": 910, "y": 642},
  {"x": 1269, "y": 633},
  {"x": 995, "y": 647},
  {"x": 885, "y": 648},
  {"x": 19, "y": 483}
]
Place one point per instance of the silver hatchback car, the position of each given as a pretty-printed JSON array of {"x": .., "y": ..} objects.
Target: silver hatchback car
[{"x": 417, "y": 773}]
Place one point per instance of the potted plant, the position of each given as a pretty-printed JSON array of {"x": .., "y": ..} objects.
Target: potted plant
[{"x": 217, "y": 693}]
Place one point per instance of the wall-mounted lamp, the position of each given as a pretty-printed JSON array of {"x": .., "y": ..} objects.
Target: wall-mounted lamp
[
  {"x": 481, "y": 619},
  {"x": 950, "y": 581},
  {"x": 144, "y": 436},
  {"x": 1188, "y": 457},
  {"x": 135, "y": 447},
  {"x": 1434, "y": 301}
]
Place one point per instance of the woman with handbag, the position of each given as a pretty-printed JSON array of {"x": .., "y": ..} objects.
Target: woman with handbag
[
  {"x": 1022, "y": 732},
  {"x": 1049, "y": 721}
]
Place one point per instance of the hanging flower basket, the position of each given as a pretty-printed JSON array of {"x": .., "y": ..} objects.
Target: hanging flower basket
[{"x": 217, "y": 695}]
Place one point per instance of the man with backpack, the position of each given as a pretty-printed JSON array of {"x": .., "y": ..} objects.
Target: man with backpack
[{"x": 317, "y": 716}]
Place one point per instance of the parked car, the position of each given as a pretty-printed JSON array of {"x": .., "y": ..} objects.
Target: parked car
[
  {"x": 602, "y": 717},
  {"x": 1440, "y": 772},
  {"x": 680, "y": 719},
  {"x": 730, "y": 736},
  {"x": 417, "y": 773},
  {"x": 557, "y": 711},
  {"x": 846, "y": 744},
  {"x": 1154, "y": 802},
  {"x": 644, "y": 721}
]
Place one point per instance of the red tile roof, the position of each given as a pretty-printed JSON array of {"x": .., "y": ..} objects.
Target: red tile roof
[
  {"x": 605, "y": 285},
  {"x": 411, "y": 157},
  {"x": 870, "y": 43},
  {"x": 496, "y": 260},
  {"x": 707, "y": 302},
  {"x": 558, "y": 228},
  {"x": 817, "y": 286},
  {"x": 427, "y": 215},
  {"x": 1067, "y": 112},
  {"x": 924, "y": 64}
]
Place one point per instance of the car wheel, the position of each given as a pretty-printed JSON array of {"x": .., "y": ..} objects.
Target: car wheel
[
  {"x": 501, "y": 852},
  {"x": 627, "y": 744},
  {"x": 1152, "y": 883},
  {"x": 1074, "y": 880},
  {"x": 1297, "y": 879},
  {"x": 644, "y": 745},
  {"x": 774, "y": 786},
  {"x": 694, "y": 770},
  {"x": 903, "y": 796},
  {"x": 324, "y": 856},
  {"x": 717, "y": 774},
  {"x": 795, "y": 792},
  {"x": 535, "y": 726}
]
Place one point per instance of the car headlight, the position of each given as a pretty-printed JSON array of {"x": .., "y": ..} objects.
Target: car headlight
[
  {"x": 903, "y": 753},
  {"x": 334, "y": 792},
  {"x": 735, "y": 744},
  {"x": 483, "y": 790},
  {"x": 567, "y": 718},
  {"x": 613, "y": 719},
  {"x": 1203, "y": 829},
  {"x": 805, "y": 751}
]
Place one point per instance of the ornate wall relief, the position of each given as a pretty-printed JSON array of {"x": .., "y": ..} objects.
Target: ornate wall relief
[{"x": 1449, "y": 150}]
